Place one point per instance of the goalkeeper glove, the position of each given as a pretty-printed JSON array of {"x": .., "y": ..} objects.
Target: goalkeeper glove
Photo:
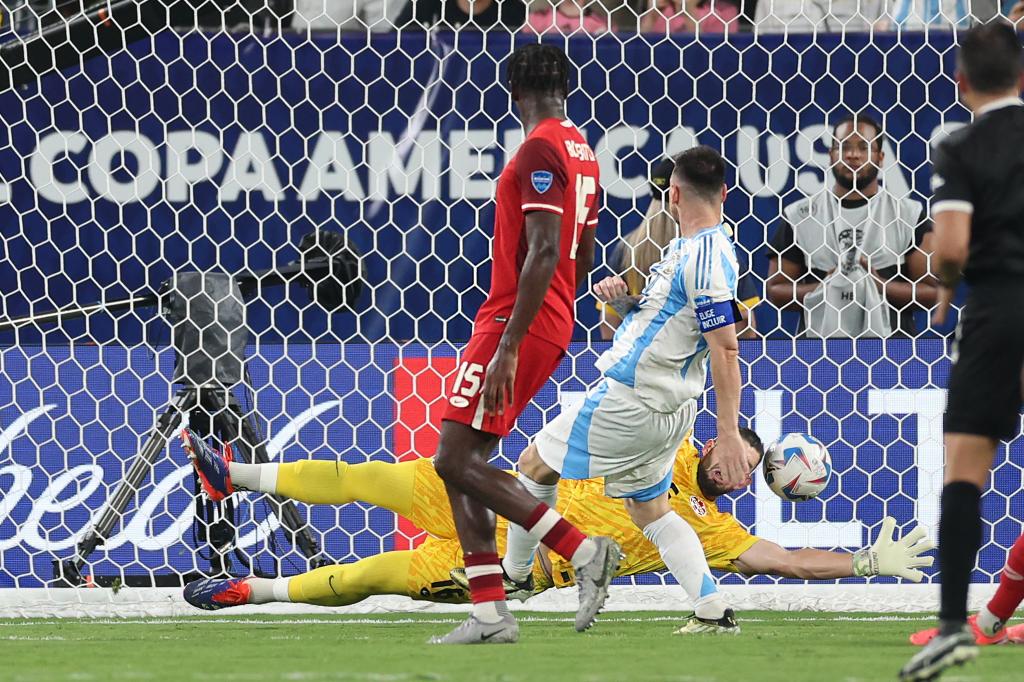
[{"x": 889, "y": 556}]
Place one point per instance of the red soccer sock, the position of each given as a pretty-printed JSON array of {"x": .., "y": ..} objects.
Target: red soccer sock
[
  {"x": 553, "y": 531},
  {"x": 1011, "y": 584},
  {"x": 484, "y": 572}
]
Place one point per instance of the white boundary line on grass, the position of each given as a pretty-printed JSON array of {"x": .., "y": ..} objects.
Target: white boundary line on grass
[
  {"x": 897, "y": 599},
  {"x": 201, "y": 620}
]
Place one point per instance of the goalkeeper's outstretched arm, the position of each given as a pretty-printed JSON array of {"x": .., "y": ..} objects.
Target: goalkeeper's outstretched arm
[{"x": 887, "y": 556}]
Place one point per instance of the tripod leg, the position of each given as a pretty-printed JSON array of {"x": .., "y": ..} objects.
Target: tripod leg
[
  {"x": 250, "y": 448},
  {"x": 113, "y": 509}
]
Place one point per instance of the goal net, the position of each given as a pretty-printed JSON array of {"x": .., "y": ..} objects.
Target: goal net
[{"x": 197, "y": 148}]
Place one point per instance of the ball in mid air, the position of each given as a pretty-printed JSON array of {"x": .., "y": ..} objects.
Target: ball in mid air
[{"x": 797, "y": 467}]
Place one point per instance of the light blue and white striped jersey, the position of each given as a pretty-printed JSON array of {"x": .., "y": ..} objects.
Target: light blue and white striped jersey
[
  {"x": 915, "y": 15},
  {"x": 659, "y": 349}
]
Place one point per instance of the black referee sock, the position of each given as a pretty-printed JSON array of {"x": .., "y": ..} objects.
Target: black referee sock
[{"x": 959, "y": 540}]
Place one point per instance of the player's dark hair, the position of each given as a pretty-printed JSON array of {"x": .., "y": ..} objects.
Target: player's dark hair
[
  {"x": 702, "y": 169},
  {"x": 753, "y": 441},
  {"x": 989, "y": 57},
  {"x": 539, "y": 70},
  {"x": 855, "y": 119}
]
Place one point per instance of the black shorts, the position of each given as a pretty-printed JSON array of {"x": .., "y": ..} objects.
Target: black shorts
[{"x": 984, "y": 395}]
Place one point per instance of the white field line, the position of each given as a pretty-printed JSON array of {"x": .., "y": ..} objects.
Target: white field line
[{"x": 198, "y": 620}]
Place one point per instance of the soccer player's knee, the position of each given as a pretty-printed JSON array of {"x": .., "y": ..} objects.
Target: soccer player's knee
[
  {"x": 644, "y": 513},
  {"x": 533, "y": 467},
  {"x": 448, "y": 467}
]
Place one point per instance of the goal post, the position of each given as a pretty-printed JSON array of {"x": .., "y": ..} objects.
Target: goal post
[{"x": 213, "y": 150}]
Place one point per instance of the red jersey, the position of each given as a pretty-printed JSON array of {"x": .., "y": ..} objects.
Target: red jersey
[{"x": 554, "y": 170}]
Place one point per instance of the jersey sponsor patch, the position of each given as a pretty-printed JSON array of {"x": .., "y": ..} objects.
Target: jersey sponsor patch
[
  {"x": 541, "y": 180},
  {"x": 714, "y": 315},
  {"x": 699, "y": 508}
]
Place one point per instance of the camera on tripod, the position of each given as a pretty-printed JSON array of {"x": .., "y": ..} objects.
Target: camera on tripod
[{"x": 206, "y": 311}]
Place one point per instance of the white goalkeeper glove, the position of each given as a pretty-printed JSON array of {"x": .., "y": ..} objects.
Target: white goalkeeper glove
[{"x": 889, "y": 556}]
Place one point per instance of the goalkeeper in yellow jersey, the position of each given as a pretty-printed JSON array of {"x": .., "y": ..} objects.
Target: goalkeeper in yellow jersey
[{"x": 413, "y": 490}]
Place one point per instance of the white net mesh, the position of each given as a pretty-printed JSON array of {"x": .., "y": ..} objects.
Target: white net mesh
[{"x": 218, "y": 150}]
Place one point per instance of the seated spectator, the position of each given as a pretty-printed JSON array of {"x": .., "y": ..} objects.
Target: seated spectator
[
  {"x": 642, "y": 248},
  {"x": 808, "y": 16},
  {"x": 853, "y": 258},
  {"x": 567, "y": 17},
  {"x": 346, "y": 15},
  {"x": 677, "y": 16},
  {"x": 482, "y": 14}
]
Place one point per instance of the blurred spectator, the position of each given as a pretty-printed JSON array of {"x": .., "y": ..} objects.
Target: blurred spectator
[
  {"x": 917, "y": 15},
  {"x": 808, "y": 16},
  {"x": 511, "y": 14},
  {"x": 642, "y": 248},
  {"x": 567, "y": 17},
  {"x": 854, "y": 258},
  {"x": 677, "y": 16},
  {"x": 346, "y": 15},
  {"x": 1014, "y": 11}
]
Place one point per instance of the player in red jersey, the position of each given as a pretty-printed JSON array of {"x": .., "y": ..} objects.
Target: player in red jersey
[{"x": 547, "y": 199}]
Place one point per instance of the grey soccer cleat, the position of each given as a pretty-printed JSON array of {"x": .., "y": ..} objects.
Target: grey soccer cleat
[
  {"x": 695, "y": 625},
  {"x": 513, "y": 589},
  {"x": 472, "y": 631},
  {"x": 593, "y": 578},
  {"x": 942, "y": 652}
]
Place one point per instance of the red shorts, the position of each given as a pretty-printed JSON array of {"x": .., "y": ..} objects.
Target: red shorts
[{"x": 538, "y": 360}]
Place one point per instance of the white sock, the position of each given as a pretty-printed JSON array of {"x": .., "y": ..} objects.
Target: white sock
[
  {"x": 988, "y": 622},
  {"x": 258, "y": 477},
  {"x": 522, "y": 547},
  {"x": 683, "y": 554},
  {"x": 268, "y": 590},
  {"x": 490, "y": 611}
]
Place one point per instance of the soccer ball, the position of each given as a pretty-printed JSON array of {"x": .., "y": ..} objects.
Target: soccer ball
[{"x": 797, "y": 467}]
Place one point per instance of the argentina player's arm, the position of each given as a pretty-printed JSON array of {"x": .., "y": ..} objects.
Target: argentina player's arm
[
  {"x": 711, "y": 277},
  {"x": 952, "y": 207}
]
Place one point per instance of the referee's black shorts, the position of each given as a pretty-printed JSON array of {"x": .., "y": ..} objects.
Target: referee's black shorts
[{"x": 984, "y": 396}]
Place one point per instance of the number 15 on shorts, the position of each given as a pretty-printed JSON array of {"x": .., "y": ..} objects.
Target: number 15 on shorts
[{"x": 467, "y": 384}]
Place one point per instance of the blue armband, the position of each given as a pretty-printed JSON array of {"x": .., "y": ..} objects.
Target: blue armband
[{"x": 714, "y": 315}]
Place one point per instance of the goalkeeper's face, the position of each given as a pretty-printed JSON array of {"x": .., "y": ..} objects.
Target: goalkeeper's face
[
  {"x": 856, "y": 155},
  {"x": 709, "y": 473}
]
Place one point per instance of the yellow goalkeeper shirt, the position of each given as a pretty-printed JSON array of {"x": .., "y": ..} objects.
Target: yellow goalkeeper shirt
[{"x": 584, "y": 504}]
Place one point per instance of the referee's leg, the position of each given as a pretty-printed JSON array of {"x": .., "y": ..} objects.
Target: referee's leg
[{"x": 968, "y": 462}]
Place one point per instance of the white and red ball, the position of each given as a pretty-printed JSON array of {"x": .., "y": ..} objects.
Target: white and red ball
[{"x": 797, "y": 467}]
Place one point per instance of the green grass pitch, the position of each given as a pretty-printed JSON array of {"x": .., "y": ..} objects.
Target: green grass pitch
[{"x": 634, "y": 647}]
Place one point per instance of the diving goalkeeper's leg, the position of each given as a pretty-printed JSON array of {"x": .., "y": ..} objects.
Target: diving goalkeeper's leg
[
  {"x": 337, "y": 585},
  {"x": 382, "y": 484}
]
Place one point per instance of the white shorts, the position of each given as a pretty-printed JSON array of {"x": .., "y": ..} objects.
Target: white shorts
[{"x": 613, "y": 434}]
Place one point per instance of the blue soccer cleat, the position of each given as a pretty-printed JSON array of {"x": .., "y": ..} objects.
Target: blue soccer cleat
[
  {"x": 211, "y": 594},
  {"x": 211, "y": 466}
]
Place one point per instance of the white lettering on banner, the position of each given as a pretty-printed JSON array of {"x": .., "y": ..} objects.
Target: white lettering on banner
[
  {"x": 768, "y": 523},
  {"x": 411, "y": 166},
  {"x": 767, "y": 176},
  {"x": 49, "y": 151},
  {"x": 50, "y": 503},
  {"x": 811, "y": 151},
  {"x": 192, "y": 156},
  {"x": 331, "y": 170},
  {"x": 617, "y": 139},
  {"x": 110, "y": 153},
  {"x": 472, "y": 156},
  {"x": 928, "y": 405},
  {"x": 251, "y": 169},
  {"x": 137, "y": 530},
  {"x": 421, "y": 165},
  {"x": 13, "y": 493}
]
